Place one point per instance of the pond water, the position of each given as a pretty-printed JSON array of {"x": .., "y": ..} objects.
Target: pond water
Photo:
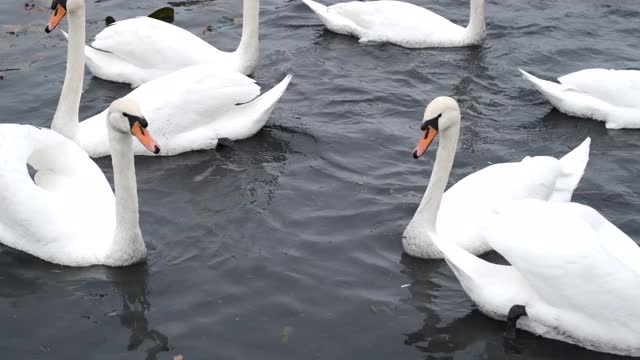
[{"x": 288, "y": 245}]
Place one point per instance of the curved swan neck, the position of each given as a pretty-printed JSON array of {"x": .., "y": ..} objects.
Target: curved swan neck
[
  {"x": 430, "y": 204},
  {"x": 66, "y": 120},
  {"x": 128, "y": 245},
  {"x": 248, "y": 50},
  {"x": 476, "y": 27}
]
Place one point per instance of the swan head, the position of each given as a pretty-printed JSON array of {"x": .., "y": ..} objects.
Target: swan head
[
  {"x": 59, "y": 8},
  {"x": 441, "y": 114},
  {"x": 126, "y": 117}
]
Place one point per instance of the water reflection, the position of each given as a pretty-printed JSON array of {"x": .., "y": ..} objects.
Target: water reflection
[
  {"x": 468, "y": 92},
  {"x": 451, "y": 322},
  {"x": 192, "y": 206},
  {"x": 132, "y": 284},
  {"x": 454, "y": 328},
  {"x": 329, "y": 39},
  {"x": 19, "y": 280},
  {"x": 25, "y": 277},
  {"x": 558, "y": 121}
]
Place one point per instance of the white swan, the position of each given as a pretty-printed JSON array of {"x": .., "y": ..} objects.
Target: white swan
[
  {"x": 401, "y": 23},
  {"x": 138, "y": 50},
  {"x": 459, "y": 214},
  {"x": 574, "y": 276},
  {"x": 606, "y": 95},
  {"x": 68, "y": 215},
  {"x": 189, "y": 109}
]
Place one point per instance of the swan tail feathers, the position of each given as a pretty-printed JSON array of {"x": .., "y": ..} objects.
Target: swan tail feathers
[
  {"x": 566, "y": 98},
  {"x": 573, "y": 166},
  {"x": 543, "y": 86},
  {"x": 329, "y": 20},
  {"x": 262, "y": 107},
  {"x": 548, "y": 88},
  {"x": 316, "y": 7},
  {"x": 335, "y": 21},
  {"x": 268, "y": 100}
]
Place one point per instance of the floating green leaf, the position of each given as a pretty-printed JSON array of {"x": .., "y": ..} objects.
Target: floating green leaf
[{"x": 285, "y": 333}]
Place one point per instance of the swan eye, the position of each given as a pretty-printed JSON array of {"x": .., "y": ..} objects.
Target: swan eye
[
  {"x": 433, "y": 122},
  {"x": 136, "y": 119}
]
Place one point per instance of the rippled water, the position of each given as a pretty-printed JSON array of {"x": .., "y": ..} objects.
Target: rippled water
[{"x": 287, "y": 245}]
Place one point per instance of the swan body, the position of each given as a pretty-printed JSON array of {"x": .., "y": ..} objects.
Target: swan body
[
  {"x": 400, "y": 23},
  {"x": 474, "y": 197},
  {"x": 68, "y": 214},
  {"x": 141, "y": 49},
  {"x": 598, "y": 94},
  {"x": 576, "y": 274},
  {"x": 189, "y": 109}
]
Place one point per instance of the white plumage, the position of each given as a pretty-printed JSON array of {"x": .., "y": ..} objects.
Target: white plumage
[
  {"x": 577, "y": 275},
  {"x": 460, "y": 213},
  {"x": 188, "y": 109},
  {"x": 67, "y": 216},
  {"x": 400, "y": 23},
  {"x": 598, "y": 94},
  {"x": 141, "y": 49},
  {"x": 68, "y": 213}
]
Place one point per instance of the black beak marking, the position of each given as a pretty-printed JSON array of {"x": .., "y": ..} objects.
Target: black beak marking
[
  {"x": 55, "y": 3},
  {"x": 431, "y": 122},
  {"x": 136, "y": 119}
]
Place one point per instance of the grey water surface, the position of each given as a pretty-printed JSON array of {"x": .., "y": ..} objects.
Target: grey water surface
[{"x": 288, "y": 245}]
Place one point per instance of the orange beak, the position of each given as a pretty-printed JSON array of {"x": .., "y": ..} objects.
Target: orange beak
[
  {"x": 427, "y": 138},
  {"x": 145, "y": 138},
  {"x": 56, "y": 17}
]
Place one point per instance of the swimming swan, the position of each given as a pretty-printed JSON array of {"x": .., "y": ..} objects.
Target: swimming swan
[
  {"x": 141, "y": 49},
  {"x": 574, "y": 276},
  {"x": 599, "y": 94},
  {"x": 188, "y": 110},
  {"x": 401, "y": 23},
  {"x": 68, "y": 214},
  {"x": 458, "y": 215}
]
